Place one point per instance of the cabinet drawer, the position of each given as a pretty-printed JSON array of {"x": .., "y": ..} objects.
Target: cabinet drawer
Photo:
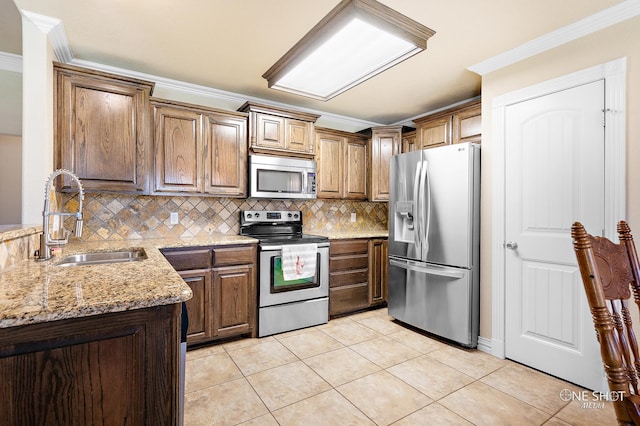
[
  {"x": 348, "y": 298},
  {"x": 360, "y": 261},
  {"x": 234, "y": 255},
  {"x": 339, "y": 248},
  {"x": 338, "y": 279},
  {"x": 183, "y": 260}
]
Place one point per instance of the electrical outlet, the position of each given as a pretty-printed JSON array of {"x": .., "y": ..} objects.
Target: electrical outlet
[
  {"x": 353, "y": 217},
  {"x": 173, "y": 217}
]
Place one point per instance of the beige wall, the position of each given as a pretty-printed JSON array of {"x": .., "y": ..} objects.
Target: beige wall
[
  {"x": 10, "y": 180},
  {"x": 37, "y": 118},
  {"x": 622, "y": 40}
]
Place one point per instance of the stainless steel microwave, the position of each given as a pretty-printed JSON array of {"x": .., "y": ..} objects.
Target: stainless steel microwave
[{"x": 281, "y": 177}]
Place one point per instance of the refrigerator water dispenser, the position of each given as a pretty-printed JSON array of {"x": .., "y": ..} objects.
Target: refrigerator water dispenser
[{"x": 404, "y": 227}]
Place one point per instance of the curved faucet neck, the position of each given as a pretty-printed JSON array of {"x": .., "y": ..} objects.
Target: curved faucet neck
[{"x": 46, "y": 241}]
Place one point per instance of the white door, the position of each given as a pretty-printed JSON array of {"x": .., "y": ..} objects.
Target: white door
[{"x": 554, "y": 176}]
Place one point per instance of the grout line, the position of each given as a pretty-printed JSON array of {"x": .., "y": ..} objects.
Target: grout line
[{"x": 228, "y": 352}]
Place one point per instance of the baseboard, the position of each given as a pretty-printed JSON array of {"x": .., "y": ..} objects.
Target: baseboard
[{"x": 484, "y": 345}]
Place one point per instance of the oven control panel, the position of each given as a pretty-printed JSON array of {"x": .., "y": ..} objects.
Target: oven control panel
[{"x": 270, "y": 216}]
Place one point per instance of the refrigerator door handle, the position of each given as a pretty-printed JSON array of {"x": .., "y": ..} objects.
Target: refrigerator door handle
[
  {"x": 425, "y": 209},
  {"x": 443, "y": 272},
  {"x": 417, "y": 214}
]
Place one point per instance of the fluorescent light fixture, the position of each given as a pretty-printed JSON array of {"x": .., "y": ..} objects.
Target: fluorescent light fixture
[{"x": 355, "y": 41}]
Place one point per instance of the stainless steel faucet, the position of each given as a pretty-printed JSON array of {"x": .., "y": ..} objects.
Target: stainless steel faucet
[{"x": 46, "y": 241}]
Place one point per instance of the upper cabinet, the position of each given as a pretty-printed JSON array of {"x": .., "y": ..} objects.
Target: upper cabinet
[
  {"x": 274, "y": 130},
  {"x": 199, "y": 150},
  {"x": 102, "y": 129},
  {"x": 384, "y": 144},
  {"x": 460, "y": 124},
  {"x": 342, "y": 163},
  {"x": 467, "y": 124},
  {"x": 409, "y": 141}
]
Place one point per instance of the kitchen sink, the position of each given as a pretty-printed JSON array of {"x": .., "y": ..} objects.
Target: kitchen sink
[{"x": 96, "y": 258}]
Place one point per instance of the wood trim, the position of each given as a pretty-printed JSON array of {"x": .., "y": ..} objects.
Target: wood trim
[{"x": 279, "y": 111}]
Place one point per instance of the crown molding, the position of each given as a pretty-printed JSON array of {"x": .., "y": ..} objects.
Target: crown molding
[
  {"x": 591, "y": 24},
  {"x": 55, "y": 30},
  {"x": 10, "y": 62},
  {"x": 222, "y": 95}
]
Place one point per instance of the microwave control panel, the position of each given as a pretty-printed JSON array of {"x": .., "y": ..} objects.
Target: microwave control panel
[{"x": 311, "y": 183}]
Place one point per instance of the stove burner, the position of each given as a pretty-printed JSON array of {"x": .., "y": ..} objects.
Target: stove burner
[{"x": 276, "y": 227}]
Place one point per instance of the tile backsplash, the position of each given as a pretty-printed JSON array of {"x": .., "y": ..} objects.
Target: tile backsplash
[{"x": 111, "y": 216}]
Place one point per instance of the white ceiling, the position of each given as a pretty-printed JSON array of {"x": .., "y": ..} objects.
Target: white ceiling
[{"x": 228, "y": 45}]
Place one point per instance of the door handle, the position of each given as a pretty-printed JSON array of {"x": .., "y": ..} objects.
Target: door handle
[
  {"x": 511, "y": 245},
  {"x": 427, "y": 270}
]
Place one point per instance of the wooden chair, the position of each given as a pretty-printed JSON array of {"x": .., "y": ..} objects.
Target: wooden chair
[{"x": 610, "y": 273}]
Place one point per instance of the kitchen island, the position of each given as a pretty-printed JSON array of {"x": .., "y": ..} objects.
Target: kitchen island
[{"x": 94, "y": 343}]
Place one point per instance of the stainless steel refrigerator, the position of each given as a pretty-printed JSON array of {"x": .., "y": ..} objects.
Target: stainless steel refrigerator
[{"x": 434, "y": 241}]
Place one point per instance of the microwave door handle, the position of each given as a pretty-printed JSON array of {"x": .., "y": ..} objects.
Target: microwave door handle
[{"x": 305, "y": 180}]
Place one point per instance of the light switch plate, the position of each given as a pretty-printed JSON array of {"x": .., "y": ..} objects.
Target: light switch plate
[
  {"x": 173, "y": 217},
  {"x": 353, "y": 217}
]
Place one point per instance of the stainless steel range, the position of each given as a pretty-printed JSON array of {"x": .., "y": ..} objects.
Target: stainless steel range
[{"x": 293, "y": 271}]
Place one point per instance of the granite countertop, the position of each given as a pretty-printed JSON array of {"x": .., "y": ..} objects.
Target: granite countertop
[
  {"x": 10, "y": 232},
  {"x": 343, "y": 235},
  {"x": 33, "y": 292}
]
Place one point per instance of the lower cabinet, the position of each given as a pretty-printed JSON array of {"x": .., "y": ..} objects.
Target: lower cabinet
[
  {"x": 378, "y": 271},
  {"x": 223, "y": 281},
  {"x": 357, "y": 274},
  {"x": 116, "y": 368}
]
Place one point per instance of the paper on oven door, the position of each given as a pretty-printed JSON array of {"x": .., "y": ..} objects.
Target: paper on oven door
[{"x": 298, "y": 261}]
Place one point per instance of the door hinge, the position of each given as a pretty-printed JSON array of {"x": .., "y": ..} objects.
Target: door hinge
[{"x": 604, "y": 116}]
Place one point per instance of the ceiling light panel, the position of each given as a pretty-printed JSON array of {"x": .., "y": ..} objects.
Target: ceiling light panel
[{"x": 355, "y": 41}]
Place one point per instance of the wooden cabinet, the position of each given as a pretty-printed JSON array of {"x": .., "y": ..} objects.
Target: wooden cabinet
[
  {"x": 116, "y": 368},
  {"x": 460, "y": 124},
  {"x": 341, "y": 161},
  {"x": 274, "y": 130},
  {"x": 384, "y": 144},
  {"x": 223, "y": 281},
  {"x": 234, "y": 286},
  {"x": 348, "y": 276},
  {"x": 199, "y": 150},
  {"x": 358, "y": 274},
  {"x": 102, "y": 130},
  {"x": 409, "y": 141},
  {"x": 467, "y": 124},
  {"x": 434, "y": 132},
  {"x": 378, "y": 274}
]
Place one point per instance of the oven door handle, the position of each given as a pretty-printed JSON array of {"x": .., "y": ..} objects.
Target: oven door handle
[{"x": 266, "y": 247}]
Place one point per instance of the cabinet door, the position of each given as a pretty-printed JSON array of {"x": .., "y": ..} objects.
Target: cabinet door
[
  {"x": 467, "y": 125},
  {"x": 329, "y": 165},
  {"x": 225, "y": 154},
  {"x": 355, "y": 169},
  {"x": 298, "y": 136},
  {"x": 102, "y": 131},
  {"x": 199, "y": 306},
  {"x": 378, "y": 258},
  {"x": 434, "y": 133},
  {"x": 178, "y": 147},
  {"x": 269, "y": 131},
  {"x": 384, "y": 145},
  {"x": 234, "y": 300},
  {"x": 409, "y": 142}
]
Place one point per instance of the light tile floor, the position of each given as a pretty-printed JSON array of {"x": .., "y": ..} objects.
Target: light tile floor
[{"x": 367, "y": 369}]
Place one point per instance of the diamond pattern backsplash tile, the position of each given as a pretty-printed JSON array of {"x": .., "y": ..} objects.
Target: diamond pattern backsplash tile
[{"x": 112, "y": 217}]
